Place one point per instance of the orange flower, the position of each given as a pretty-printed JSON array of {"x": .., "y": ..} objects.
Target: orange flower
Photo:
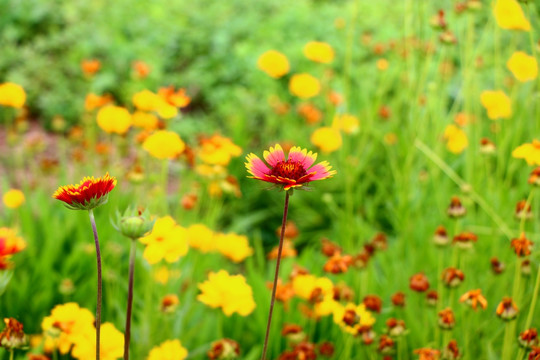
[
  {"x": 90, "y": 66},
  {"x": 419, "y": 282},
  {"x": 465, "y": 239},
  {"x": 373, "y": 303},
  {"x": 473, "y": 298},
  {"x": 318, "y": 51},
  {"x": 428, "y": 354},
  {"x": 447, "y": 319},
  {"x": 93, "y": 101},
  {"x": 13, "y": 336},
  {"x": 522, "y": 246},
  {"x": 175, "y": 98},
  {"x": 274, "y": 63},
  {"x": 338, "y": 263},
  {"x": 452, "y": 277},
  {"x": 507, "y": 309},
  {"x": 141, "y": 69},
  {"x": 89, "y": 194},
  {"x": 304, "y": 86}
]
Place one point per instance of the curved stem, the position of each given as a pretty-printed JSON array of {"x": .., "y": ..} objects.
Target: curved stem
[
  {"x": 127, "y": 335},
  {"x": 276, "y": 275},
  {"x": 11, "y": 352},
  {"x": 98, "y": 306}
]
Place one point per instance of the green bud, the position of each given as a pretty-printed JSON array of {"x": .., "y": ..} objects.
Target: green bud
[{"x": 133, "y": 224}]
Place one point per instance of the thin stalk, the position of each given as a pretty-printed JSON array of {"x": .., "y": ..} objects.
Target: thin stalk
[
  {"x": 11, "y": 352},
  {"x": 531, "y": 310},
  {"x": 165, "y": 183},
  {"x": 285, "y": 210},
  {"x": 127, "y": 335},
  {"x": 98, "y": 306}
]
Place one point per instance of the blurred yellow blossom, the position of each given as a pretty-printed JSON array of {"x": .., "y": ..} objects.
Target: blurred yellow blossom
[
  {"x": 10, "y": 244},
  {"x": 328, "y": 139},
  {"x": 235, "y": 247},
  {"x": 111, "y": 344},
  {"x": 12, "y": 95},
  {"x": 346, "y": 122},
  {"x": 168, "y": 350},
  {"x": 497, "y": 104},
  {"x": 319, "y": 51},
  {"x": 13, "y": 198},
  {"x": 351, "y": 317},
  {"x": 456, "y": 139},
  {"x": 229, "y": 292},
  {"x": 304, "y": 86},
  {"x": 66, "y": 324},
  {"x": 523, "y": 66},
  {"x": 382, "y": 64},
  {"x": 218, "y": 150},
  {"x": 114, "y": 119},
  {"x": 529, "y": 152},
  {"x": 167, "y": 241},
  {"x": 146, "y": 100},
  {"x": 200, "y": 237},
  {"x": 274, "y": 63},
  {"x": 510, "y": 16},
  {"x": 145, "y": 120},
  {"x": 162, "y": 274},
  {"x": 164, "y": 144},
  {"x": 304, "y": 286}
]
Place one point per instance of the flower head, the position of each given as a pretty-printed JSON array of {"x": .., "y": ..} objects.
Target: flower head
[
  {"x": 224, "y": 349},
  {"x": 274, "y": 63},
  {"x": 497, "y": 104},
  {"x": 114, "y": 119},
  {"x": 294, "y": 172},
  {"x": 111, "y": 344},
  {"x": 13, "y": 336},
  {"x": 233, "y": 246},
  {"x": 229, "y": 292},
  {"x": 13, "y": 198},
  {"x": 166, "y": 241},
  {"x": 529, "y": 152},
  {"x": 88, "y": 194},
  {"x": 168, "y": 350},
  {"x": 90, "y": 66},
  {"x": 12, "y": 95},
  {"x": 319, "y": 51},
  {"x": 327, "y": 138},
  {"x": 218, "y": 150},
  {"x": 164, "y": 144},
  {"x": 523, "y": 66},
  {"x": 507, "y": 309},
  {"x": 456, "y": 138},
  {"x": 10, "y": 244},
  {"x": 473, "y": 298},
  {"x": 304, "y": 86},
  {"x": 351, "y": 317},
  {"x": 509, "y": 15}
]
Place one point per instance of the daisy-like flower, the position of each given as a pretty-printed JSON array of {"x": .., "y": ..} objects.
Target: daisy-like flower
[
  {"x": 473, "y": 298},
  {"x": 90, "y": 193},
  {"x": 294, "y": 172}
]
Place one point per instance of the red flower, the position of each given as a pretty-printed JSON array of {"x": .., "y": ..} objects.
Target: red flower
[
  {"x": 89, "y": 194},
  {"x": 295, "y": 172}
]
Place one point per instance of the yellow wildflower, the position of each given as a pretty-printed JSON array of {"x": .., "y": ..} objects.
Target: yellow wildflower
[
  {"x": 145, "y": 120},
  {"x": 350, "y": 317},
  {"x": 274, "y": 63},
  {"x": 162, "y": 274},
  {"x": 318, "y": 51},
  {"x": 229, "y": 292},
  {"x": 235, "y": 247},
  {"x": 168, "y": 350},
  {"x": 456, "y": 139},
  {"x": 304, "y": 86},
  {"x": 66, "y": 324},
  {"x": 346, "y": 122},
  {"x": 166, "y": 241},
  {"x": 201, "y": 237},
  {"x": 218, "y": 150},
  {"x": 328, "y": 139},
  {"x": 111, "y": 344},
  {"x": 497, "y": 104},
  {"x": 114, "y": 119},
  {"x": 529, "y": 152},
  {"x": 146, "y": 100},
  {"x": 382, "y": 64},
  {"x": 12, "y": 95},
  {"x": 13, "y": 198},
  {"x": 164, "y": 144},
  {"x": 304, "y": 285},
  {"x": 327, "y": 306},
  {"x": 509, "y": 15},
  {"x": 523, "y": 66}
]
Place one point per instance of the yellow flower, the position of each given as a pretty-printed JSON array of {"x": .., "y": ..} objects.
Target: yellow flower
[
  {"x": 304, "y": 285},
  {"x": 273, "y": 63},
  {"x": 168, "y": 350},
  {"x": 235, "y": 247},
  {"x": 146, "y": 100},
  {"x": 218, "y": 150},
  {"x": 382, "y": 64},
  {"x": 164, "y": 144},
  {"x": 327, "y": 306},
  {"x": 201, "y": 237},
  {"x": 351, "y": 317},
  {"x": 12, "y": 95},
  {"x": 304, "y": 86},
  {"x": 166, "y": 241},
  {"x": 319, "y": 52},
  {"x": 114, "y": 119},
  {"x": 328, "y": 139},
  {"x": 497, "y": 104},
  {"x": 456, "y": 139},
  {"x": 13, "y": 198},
  {"x": 10, "y": 244},
  {"x": 509, "y": 15},
  {"x": 66, "y": 324},
  {"x": 145, "y": 120},
  {"x": 161, "y": 275},
  {"x": 529, "y": 152},
  {"x": 229, "y": 292},
  {"x": 523, "y": 66},
  {"x": 346, "y": 122},
  {"x": 111, "y": 344}
]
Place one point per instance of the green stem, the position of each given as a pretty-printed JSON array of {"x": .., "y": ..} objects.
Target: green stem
[
  {"x": 165, "y": 183},
  {"x": 127, "y": 336},
  {"x": 11, "y": 352},
  {"x": 98, "y": 307},
  {"x": 276, "y": 275}
]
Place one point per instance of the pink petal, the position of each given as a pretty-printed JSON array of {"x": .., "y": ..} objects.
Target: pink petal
[
  {"x": 274, "y": 156},
  {"x": 322, "y": 171},
  {"x": 256, "y": 166},
  {"x": 302, "y": 156}
]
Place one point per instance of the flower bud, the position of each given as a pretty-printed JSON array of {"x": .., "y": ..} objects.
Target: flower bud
[{"x": 133, "y": 224}]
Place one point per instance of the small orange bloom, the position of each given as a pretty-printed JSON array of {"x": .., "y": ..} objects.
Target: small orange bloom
[
  {"x": 419, "y": 282},
  {"x": 398, "y": 299},
  {"x": 176, "y": 98},
  {"x": 90, "y": 66},
  {"x": 428, "y": 354},
  {"x": 89, "y": 194},
  {"x": 456, "y": 208},
  {"x": 507, "y": 309},
  {"x": 529, "y": 338},
  {"x": 373, "y": 303},
  {"x": 13, "y": 336},
  {"x": 447, "y": 319},
  {"x": 465, "y": 239},
  {"x": 452, "y": 277},
  {"x": 338, "y": 264},
  {"x": 141, "y": 69},
  {"x": 522, "y": 246},
  {"x": 473, "y": 298},
  {"x": 329, "y": 248}
]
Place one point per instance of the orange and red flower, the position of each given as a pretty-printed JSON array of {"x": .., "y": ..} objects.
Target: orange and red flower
[
  {"x": 473, "y": 298},
  {"x": 89, "y": 194},
  {"x": 294, "y": 172}
]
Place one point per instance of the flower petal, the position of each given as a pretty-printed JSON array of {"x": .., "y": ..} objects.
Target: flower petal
[
  {"x": 321, "y": 171},
  {"x": 274, "y": 156},
  {"x": 256, "y": 166}
]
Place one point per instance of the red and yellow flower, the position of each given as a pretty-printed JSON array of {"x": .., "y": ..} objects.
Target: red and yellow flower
[
  {"x": 88, "y": 194},
  {"x": 294, "y": 172}
]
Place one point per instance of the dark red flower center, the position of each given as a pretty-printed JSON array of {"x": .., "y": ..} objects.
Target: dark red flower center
[{"x": 289, "y": 169}]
